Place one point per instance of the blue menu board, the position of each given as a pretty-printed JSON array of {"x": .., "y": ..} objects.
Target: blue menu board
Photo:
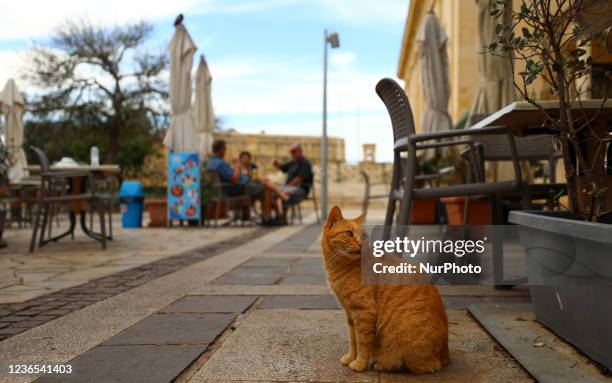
[{"x": 183, "y": 186}]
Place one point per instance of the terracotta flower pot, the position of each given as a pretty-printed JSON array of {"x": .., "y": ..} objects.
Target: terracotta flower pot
[
  {"x": 424, "y": 212},
  {"x": 480, "y": 211},
  {"x": 158, "y": 212}
]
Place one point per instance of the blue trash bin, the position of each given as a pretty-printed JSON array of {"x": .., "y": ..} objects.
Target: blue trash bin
[{"x": 131, "y": 196}]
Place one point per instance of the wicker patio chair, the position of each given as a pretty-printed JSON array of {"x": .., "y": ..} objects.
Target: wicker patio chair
[
  {"x": 404, "y": 182},
  {"x": 404, "y": 186},
  {"x": 538, "y": 147}
]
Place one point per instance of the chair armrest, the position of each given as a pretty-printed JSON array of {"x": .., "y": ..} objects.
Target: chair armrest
[
  {"x": 442, "y": 144},
  {"x": 477, "y": 154},
  {"x": 458, "y": 133}
]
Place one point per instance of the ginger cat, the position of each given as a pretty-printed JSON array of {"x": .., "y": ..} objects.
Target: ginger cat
[{"x": 398, "y": 326}]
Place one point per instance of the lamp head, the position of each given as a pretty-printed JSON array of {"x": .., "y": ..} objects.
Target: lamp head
[{"x": 333, "y": 40}]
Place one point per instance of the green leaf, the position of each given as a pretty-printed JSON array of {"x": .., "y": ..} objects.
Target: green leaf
[{"x": 526, "y": 32}]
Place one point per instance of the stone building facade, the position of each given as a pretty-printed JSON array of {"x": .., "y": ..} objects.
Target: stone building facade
[{"x": 267, "y": 147}]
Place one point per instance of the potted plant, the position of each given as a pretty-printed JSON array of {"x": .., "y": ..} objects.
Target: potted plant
[
  {"x": 154, "y": 178},
  {"x": 453, "y": 170},
  {"x": 568, "y": 254},
  {"x": 156, "y": 203}
]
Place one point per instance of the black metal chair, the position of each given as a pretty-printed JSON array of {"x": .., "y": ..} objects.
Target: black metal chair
[
  {"x": 55, "y": 191},
  {"x": 486, "y": 144},
  {"x": 296, "y": 208},
  {"x": 405, "y": 187},
  {"x": 404, "y": 184},
  {"x": 368, "y": 184}
]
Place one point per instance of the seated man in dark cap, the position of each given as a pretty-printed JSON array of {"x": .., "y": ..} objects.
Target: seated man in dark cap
[
  {"x": 238, "y": 183},
  {"x": 299, "y": 178}
]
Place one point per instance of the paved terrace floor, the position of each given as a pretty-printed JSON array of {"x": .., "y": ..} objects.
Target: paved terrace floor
[{"x": 257, "y": 311}]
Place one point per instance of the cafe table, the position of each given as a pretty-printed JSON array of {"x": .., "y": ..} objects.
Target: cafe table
[
  {"x": 526, "y": 119},
  {"x": 79, "y": 207}
]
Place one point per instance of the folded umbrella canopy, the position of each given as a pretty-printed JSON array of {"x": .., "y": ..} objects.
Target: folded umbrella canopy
[
  {"x": 11, "y": 103},
  {"x": 496, "y": 79},
  {"x": 203, "y": 113},
  {"x": 182, "y": 135},
  {"x": 496, "y": 76},
  {"x": 434, "y": 77}
]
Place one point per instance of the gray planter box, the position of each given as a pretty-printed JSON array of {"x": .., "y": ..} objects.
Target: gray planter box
[{"x": 569, "y": 267}]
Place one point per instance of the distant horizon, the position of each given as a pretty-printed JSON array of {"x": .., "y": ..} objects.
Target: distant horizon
[{"x": 265, "y": 57}]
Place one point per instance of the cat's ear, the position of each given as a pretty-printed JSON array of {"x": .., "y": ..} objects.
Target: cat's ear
[
  {"x": 335, "y": 215},
  {"x": 362, "y": 217}
]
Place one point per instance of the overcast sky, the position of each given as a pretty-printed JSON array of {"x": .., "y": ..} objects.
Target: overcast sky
[{"x": 265, "y": 56}]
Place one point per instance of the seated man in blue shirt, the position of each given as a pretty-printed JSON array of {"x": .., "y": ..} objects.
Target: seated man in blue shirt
[
  {"x": 227, "y": 173},
  {"x": 240, "y": 183}
]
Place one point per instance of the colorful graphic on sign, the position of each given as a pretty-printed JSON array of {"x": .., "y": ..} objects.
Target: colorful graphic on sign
[{"x": 183, "y": 186}]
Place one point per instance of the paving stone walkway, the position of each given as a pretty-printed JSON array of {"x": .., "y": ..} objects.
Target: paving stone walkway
[
  {"x": 260, "y": 312},
  {"x": 19, "y": 317}
]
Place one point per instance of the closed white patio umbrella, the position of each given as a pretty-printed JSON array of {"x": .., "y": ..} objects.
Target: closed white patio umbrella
[
  {"x": 182, "y": 135},
  {"x": 496, "y": 77},
  {"x": 434, "y": 77},
  {"x": 496, "y": 81},
  {"x": 203, "y": 113},
  {"x": 12, "y": 104}
]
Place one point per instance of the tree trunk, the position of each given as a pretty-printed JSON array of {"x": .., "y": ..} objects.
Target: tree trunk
[
  {"x": 113, "y": 142},
  {"x": 571, "y": 177}
]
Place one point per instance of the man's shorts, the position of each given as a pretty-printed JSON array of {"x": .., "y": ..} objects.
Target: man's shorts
[{"x": 296, "y": 194}]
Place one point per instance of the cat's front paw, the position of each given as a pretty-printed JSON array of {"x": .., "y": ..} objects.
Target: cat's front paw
[
  {"x": 358, "y": 365},
  {"x": 347, "y": 358}
]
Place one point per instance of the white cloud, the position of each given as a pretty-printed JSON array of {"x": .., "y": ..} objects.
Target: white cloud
[
  {"x": 343, "y": 59},
  {"x": 360, "y": 12},
  {"x": 36, "y": 18},
  {"x": 249, "y": 92},
  {"x": 11, "y": 63},
  {"x": 26, "y": 19}
]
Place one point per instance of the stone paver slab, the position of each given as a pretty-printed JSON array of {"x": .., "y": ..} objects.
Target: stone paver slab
[
  {"x": 246, "y": 272},
  {"x": 514, "y": 326},
  {"x": 306, "y": 345},
  {"x": 263, "y": 290},
  {"x": 285, "y": 346},
  {"x": 459, "y": 303},
  {"x": 134, "y": 364},
  {"x": 298, "y": 242},
  {"x": 247, "y": 280},
  {"x": 308, "y": 266},
  {"x": 304, "y": 279},
  {"x": 175, "y": 328},
  {"x": 307, "y": 302},
  {"x": 268, "y": 262},
  {"x": 210, "y": 304}
]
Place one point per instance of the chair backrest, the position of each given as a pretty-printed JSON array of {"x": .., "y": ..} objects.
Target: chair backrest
[
  {"x": 496, "y": 147},
  {"x": 42, "y": 158},
  {"x": 394, "y": 98},
  {"x": 211, "y": 178}
]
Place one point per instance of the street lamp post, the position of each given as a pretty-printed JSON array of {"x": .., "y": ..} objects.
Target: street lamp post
[{"x": 333, "y": 40}]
